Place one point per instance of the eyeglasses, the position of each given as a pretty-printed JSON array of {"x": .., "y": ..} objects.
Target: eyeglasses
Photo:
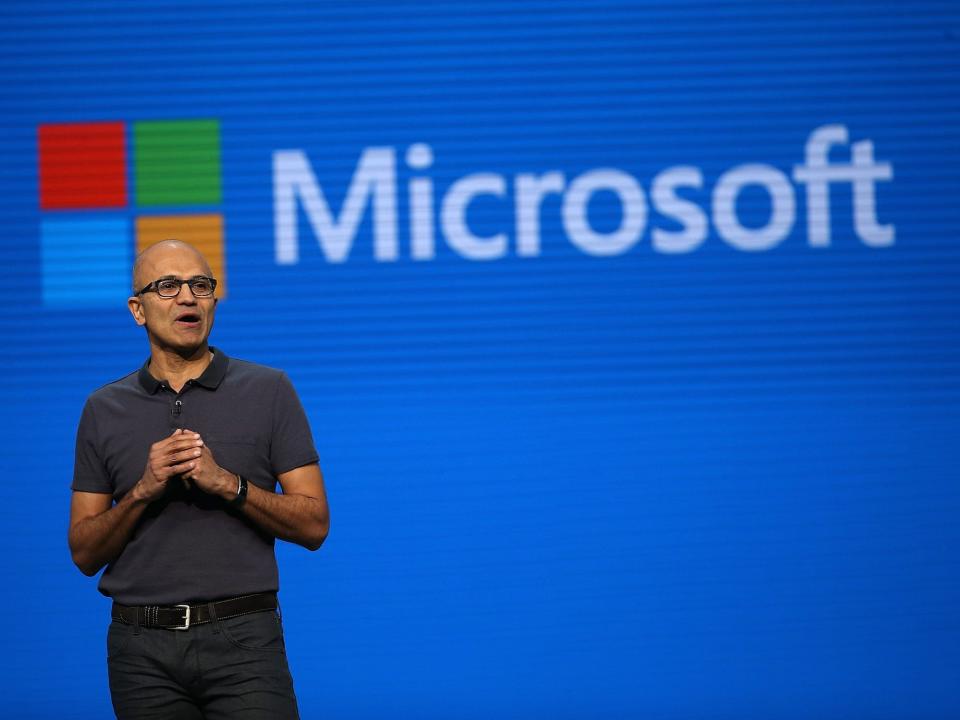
[{"x": 170, "y": 287}]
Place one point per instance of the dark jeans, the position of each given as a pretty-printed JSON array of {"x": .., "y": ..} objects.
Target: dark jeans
[{"x": 234, "y": 668}]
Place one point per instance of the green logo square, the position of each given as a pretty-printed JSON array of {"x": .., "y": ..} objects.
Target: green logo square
[{"x": 177, "y": 162}]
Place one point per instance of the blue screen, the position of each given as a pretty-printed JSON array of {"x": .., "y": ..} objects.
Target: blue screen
[{"x": 627, "y": 333}]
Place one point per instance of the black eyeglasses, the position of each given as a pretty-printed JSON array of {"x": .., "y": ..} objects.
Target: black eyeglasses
[{"x": 170, "y": 287}]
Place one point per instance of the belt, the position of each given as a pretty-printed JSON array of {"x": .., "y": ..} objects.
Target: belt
[{"x": 181, "y": 617}]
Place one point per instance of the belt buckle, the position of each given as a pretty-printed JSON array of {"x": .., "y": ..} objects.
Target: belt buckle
[{"x": 186, "y": 621}]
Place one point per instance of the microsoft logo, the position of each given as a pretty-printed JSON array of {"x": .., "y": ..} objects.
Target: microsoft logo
[{"x": 96, "y": 196}]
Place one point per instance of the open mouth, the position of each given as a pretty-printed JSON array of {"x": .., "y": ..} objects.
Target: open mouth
[{"x": 188, "y": 320}]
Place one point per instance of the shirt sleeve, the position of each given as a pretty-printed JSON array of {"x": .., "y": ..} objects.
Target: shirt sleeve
[
  {"x": 89, "y": 473},
  {"x": 292, "y": 443}
]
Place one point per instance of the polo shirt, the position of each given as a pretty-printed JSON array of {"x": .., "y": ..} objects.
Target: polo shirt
[{"x": 189, "y": 546}]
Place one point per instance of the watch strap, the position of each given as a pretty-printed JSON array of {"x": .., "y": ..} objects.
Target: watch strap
[{"x": 241, "y": 492}]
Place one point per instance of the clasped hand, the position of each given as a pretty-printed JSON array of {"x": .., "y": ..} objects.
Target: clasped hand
[{"x": 183, "y": 454}]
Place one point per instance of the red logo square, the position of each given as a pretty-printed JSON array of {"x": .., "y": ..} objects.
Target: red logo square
[{"x": 83, "y": 165}]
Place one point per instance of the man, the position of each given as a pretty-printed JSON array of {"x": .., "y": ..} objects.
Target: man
[{"x": 174, "y": 492}]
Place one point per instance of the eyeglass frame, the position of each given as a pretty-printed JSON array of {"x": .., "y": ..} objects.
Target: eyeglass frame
[{"x": 154, "y": 286}]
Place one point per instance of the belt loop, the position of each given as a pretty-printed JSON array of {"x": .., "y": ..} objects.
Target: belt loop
[
  {"x": 136, "y": 621},
  {"x": 212, "y": 609},
  {"x": 279, "y": 612}
]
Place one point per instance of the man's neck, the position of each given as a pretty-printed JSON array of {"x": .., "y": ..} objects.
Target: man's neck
[{"x": 177, "y": 368}]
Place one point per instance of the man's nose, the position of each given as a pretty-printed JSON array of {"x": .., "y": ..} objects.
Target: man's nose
[{"x": 186, "y": 296}]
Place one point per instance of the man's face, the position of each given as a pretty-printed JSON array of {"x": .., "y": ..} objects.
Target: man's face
[{"x": 182, "y": 323}]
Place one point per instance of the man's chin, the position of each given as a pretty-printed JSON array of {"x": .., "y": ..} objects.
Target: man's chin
[
  {"x": 193, "y": 352},
  {"x": 186, "y": 347}
]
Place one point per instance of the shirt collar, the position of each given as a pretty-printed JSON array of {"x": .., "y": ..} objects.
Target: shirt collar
[{"x": 210, "y": 378}]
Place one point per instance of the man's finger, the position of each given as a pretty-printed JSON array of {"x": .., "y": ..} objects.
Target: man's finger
[
  {"x": 181, "y": 442},
  {"x": 164, "y": 459},
  {"x": 172, "y": 436},
  {"x": 182, "y": 467},
  {"x": 183, "y": 456}
]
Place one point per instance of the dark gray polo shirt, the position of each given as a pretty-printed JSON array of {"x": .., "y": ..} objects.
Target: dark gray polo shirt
[{"x": 189, "y": 546}]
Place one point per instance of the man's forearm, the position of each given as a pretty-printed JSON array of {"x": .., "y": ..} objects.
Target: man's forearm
[
  {"x": 296, "y": 518},
  {"x": 99, "y": 539}
]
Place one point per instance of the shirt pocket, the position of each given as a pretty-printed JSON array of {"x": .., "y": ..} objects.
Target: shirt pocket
[{"x": 238, "y": 454}]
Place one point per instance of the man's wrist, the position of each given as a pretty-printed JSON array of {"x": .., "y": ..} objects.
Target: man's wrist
[
  {"x": 240, "y": 497},
  {"x": 138, "y": 495},
  {"x": 228, "y": 485}
]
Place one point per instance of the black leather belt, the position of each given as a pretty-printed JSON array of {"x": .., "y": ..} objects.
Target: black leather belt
[{"x": 181, "y": 617}]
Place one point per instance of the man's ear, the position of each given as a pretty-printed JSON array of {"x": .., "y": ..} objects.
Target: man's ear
[{"x": 135, "y": 305}]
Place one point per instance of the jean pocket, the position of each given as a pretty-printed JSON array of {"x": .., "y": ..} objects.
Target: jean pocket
[
  {"x": 255, "y": 631},
  {"x": 118, "y": 638}
]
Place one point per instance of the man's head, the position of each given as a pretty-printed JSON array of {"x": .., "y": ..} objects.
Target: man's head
[{"x": 182, "y": 323}]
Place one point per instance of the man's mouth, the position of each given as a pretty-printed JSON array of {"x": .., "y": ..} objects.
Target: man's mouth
[{"x": 188, "y": 320}]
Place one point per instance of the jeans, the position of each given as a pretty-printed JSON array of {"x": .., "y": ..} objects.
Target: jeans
[{"x": 233, "y": 668}]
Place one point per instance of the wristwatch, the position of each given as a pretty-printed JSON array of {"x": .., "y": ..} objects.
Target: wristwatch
[{"x": 241, "y": 493}]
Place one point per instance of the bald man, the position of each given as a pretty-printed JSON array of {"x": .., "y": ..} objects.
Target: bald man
[{"x": 174, "y": 492}]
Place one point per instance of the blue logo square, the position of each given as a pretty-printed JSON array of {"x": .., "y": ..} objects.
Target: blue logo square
[{"x": 86, "y": 262}]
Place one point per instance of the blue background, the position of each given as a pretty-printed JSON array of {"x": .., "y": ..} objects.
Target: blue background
[{"x": 718, "y": 484}]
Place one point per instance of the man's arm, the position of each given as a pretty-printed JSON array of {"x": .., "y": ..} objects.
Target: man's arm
[
  {"x": 300, "y": 515},
  {"x": 98, "y": 533}
]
